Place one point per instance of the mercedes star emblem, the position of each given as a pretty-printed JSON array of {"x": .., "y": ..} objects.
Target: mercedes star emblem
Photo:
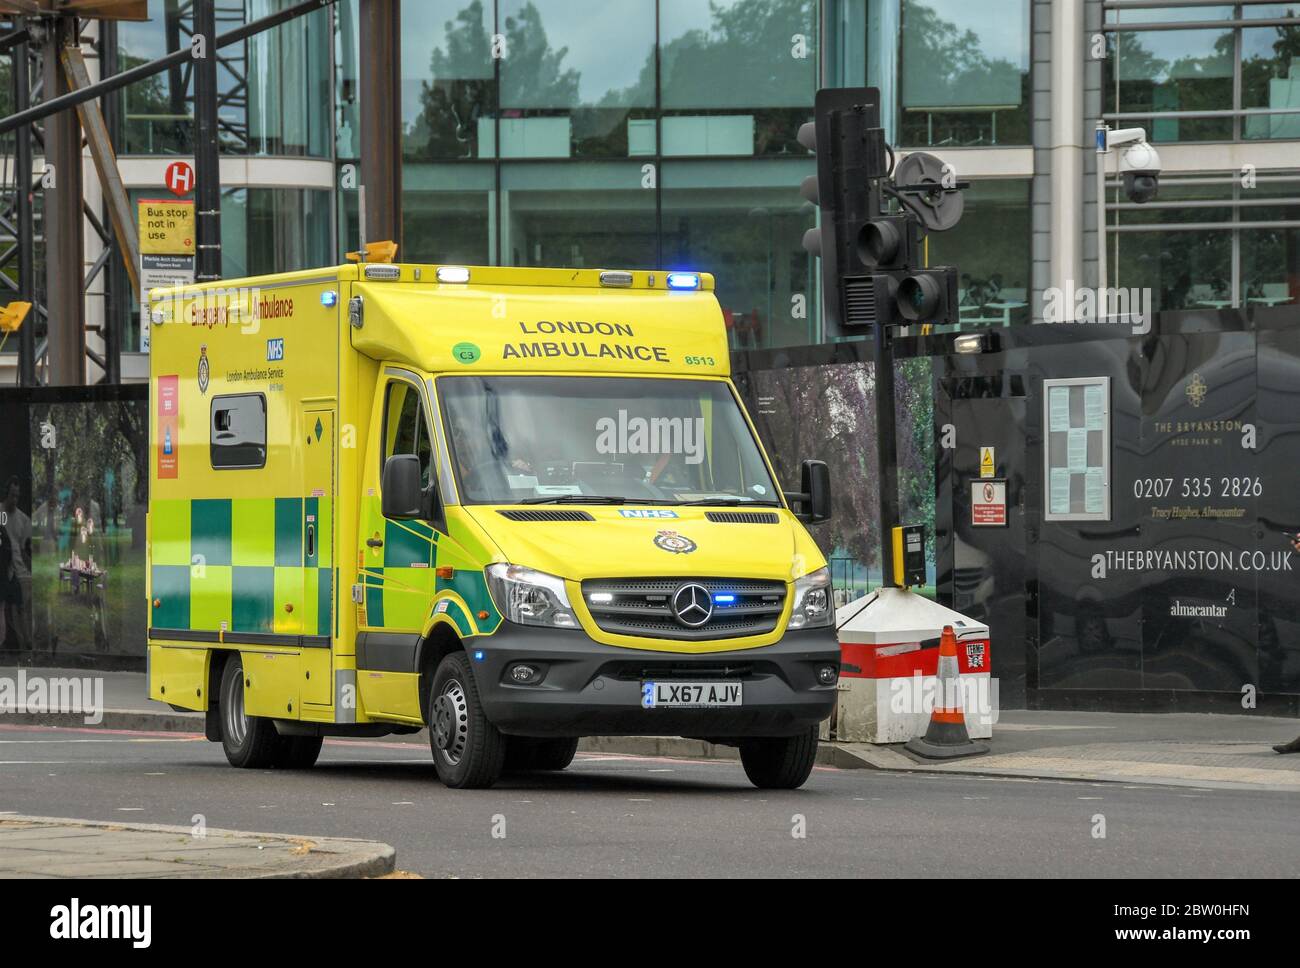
[{"x": 692, "y": 605}]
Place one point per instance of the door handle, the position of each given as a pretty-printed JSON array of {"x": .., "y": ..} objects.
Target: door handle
[
  {"x": 374, "y": 542},
  {"x": 311, "y": 541}
]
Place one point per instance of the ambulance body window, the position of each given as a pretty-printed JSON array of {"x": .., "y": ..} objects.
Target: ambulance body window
[
  {"x": 238, "y": 432},
  {"x": 405, "y": 429}
]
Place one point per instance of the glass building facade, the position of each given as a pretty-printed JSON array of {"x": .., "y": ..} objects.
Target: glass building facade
[{"x": 661, "y": 133}]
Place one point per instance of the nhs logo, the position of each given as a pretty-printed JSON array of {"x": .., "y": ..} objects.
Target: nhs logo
[
  {"x": 646, "y": 513},
  {"x": 275, "y": 349}
]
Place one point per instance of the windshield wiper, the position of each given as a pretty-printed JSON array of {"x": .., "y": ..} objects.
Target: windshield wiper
[
  {"x": 729, "y": 502},
  {"x": 573, "y": 499}
]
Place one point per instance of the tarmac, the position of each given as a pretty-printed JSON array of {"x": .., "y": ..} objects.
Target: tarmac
[
  {"x": 1196, "y": 750},
  {"x": 1178, "y": 749}
]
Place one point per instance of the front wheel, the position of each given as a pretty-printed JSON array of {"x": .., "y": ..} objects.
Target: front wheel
[
  {"x": 781, "y": 763},
  {"x": 250, "y": 742},
  {"x": 468, "y": 751}
]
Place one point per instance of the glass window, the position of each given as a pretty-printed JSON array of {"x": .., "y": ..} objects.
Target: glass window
[
  {"x": 584, "y": 215},
  {"x": 533, "y": 439},
  {"x": 265, "y": 230},
  {"x": 447, "y": 214},
  {"x": 282, "y": 75},
  {"x": 991, "y": 247},
  {"x": 1173, "y": 70},
  {"x": 738, "y": 76},
  {"x": 273, "y": 89},
  {"x": 1183, "y": 268},
  {"x": 1270, "y": 258},
  {"x": 238, "y": 438},
  {"x": 577, "y": 78},
  {"x": 405, "y": 431},
  {"x": 1270, "y": 73},
  {"x": 964, "y": 72},
  {"x": 746, "y": 226},
  {"x": 449, "y": 87}
]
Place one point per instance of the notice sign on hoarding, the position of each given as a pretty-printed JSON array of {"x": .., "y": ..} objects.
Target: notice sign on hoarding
[
  {"x": 988, "y": 504},
  {"x": 166, "y": 227}
]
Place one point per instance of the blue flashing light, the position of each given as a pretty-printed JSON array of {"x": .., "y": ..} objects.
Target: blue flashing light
[
  {"x": 479, "y": 655},
  {"x": 683, "y": 280},
  {"x": 329, "y": 298},
  {"x": 723, "y": 599}
]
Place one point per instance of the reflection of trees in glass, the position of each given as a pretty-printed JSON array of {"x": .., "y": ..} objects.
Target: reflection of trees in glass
[
  {"x": 952, "y": 90},
  {"x": 944, "y": 65},
  {"x": 1258, "y": 70},
  {"x": 533, "y": 73},
  {"x": 829, "y": 413},
  {"x": 461, "y": 89}
]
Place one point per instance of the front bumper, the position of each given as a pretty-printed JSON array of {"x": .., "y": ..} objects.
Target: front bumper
[{"x": 590, "y": 689}]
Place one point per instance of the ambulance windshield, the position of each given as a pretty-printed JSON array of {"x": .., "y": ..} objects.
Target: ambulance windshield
[{"x": 633, "y": 440}]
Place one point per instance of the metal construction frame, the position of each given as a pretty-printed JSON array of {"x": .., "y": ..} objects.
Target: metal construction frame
[{"x": 51, "y": 85}]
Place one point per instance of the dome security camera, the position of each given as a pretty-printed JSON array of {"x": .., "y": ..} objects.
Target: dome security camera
[{"x": 1140, "y": 166}]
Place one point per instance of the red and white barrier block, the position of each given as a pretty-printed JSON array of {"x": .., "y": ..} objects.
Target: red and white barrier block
[{"x": 889, "y": 649}]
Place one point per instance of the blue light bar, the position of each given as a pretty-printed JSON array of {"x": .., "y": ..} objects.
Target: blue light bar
[
  {"x": 721, "y": 599},
  {"x": 329, "y": 298},
  {"x": 683, "y": 280}
]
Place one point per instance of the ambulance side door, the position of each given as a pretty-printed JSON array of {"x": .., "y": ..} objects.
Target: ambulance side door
[{"x": 397, "y": 555}]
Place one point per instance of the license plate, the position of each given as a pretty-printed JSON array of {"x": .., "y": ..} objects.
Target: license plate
[{"x": 702, "y": 695}]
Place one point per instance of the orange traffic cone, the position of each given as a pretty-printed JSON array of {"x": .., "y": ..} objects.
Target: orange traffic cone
[{"x": 947, "y": 736}]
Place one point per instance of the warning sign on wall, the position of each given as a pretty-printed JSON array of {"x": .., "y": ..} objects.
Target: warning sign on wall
[
  {"x": 988, "y": 504},
  {"x": 987, "y": 464}
]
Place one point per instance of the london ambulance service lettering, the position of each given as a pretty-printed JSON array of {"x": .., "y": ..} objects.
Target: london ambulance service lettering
[{"x": 615, "y": 348}]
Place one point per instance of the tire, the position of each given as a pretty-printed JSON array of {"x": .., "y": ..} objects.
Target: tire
[
  {"x": 297, "y": 752},
  {"x": 468, "y": 751},
  {"x": 249, "y": 741},
  {"x": 781, "y": 763},
  {"x": 525, "y": 754}
]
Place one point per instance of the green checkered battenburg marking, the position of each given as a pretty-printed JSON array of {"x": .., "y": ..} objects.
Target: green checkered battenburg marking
[{"x": 225, "y": 562}]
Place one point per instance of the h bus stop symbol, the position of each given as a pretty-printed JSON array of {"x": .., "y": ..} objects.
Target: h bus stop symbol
[{"x": 179, "y": 178}]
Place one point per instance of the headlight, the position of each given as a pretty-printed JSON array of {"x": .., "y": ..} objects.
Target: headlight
[
  {"x": 530, "y": 597},
  {"x": 812, "y": 600}
]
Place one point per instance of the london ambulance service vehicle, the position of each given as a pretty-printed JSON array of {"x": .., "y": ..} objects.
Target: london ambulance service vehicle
[{"x": 516, "y": 506}]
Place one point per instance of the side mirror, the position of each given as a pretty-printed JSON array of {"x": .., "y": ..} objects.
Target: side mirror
[
  {"x": 814, "y": 498},
  {"x": 402, "y": 496}
]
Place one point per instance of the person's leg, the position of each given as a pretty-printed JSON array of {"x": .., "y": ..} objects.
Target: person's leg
[
  {"x": 1291, "y": 747},
  {"x": 22, "y": 618}
]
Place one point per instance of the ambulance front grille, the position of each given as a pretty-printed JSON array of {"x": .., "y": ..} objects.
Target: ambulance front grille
[{"x": 643, "y": 606}]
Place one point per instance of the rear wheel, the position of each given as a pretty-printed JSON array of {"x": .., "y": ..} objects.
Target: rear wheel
[
  {"x": 780, "y": 763},
  {"x": 525, "y": 754},
  {"x": 297, "y": 752},
  {"x": 468, "y": 751},
  {"x": 249, "y": 741}
]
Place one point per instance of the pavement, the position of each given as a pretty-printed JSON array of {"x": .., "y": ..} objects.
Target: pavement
[
  {"x": 1176, "y": 749},
  {"x": 53, "y": 847}
]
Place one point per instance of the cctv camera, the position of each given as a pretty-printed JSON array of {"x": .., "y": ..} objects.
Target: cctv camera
[{"x": 1140, "y": 166}]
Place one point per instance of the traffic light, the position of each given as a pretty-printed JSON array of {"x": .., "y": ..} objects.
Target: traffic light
[{"x": 872, "y": 267}]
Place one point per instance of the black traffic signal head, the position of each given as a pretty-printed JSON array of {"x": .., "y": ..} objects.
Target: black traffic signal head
[
  {"x": 871, "y": 259},
  {"x": 927, "y": 295}
]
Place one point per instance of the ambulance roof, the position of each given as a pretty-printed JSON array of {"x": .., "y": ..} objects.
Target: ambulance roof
[{"x": 541, "y": 320}]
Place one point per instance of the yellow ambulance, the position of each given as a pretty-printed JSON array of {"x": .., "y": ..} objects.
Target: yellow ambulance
[{"x": 515, "y": 506}]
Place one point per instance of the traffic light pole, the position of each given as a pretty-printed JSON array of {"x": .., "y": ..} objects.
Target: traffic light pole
[
  {"x": 207, "y": 161},
  {"x": 886, "y": 452}
]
